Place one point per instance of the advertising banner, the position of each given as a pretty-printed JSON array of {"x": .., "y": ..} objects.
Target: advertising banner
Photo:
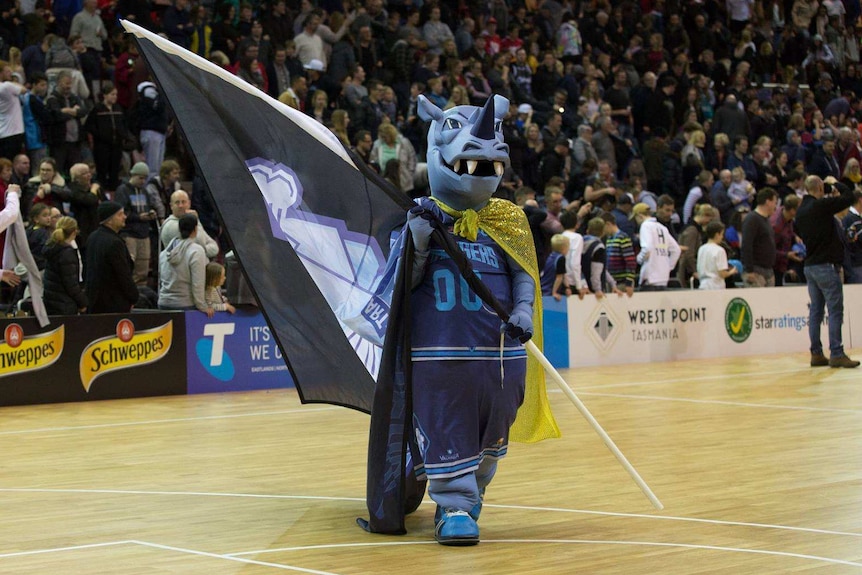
[
  {"x": 676, "y": 325},
  {"x": 233, "y": 353},
  {"x": 81, "y": 358}
]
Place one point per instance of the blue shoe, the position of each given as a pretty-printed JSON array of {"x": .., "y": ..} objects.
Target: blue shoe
[
  {"x": 474, "y": 512},
  {"x": 457, "y": 528}
]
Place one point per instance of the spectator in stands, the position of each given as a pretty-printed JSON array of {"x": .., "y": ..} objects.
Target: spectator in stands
[
  {"x": 49, "y": 187},
  {"x": 712, "y": 265},
  {"x": 730, "y": 119},
  {"x": 553, "y": 274},
  {"x": 621, "y": 259},
  {"x": 153, "y": 122},
  {"x": 698, "y": 194},
  {"x": 362, "y": 145},
  {"x": 823, "y": 162},
  {"x": 11, "y": 116},
  {"x": 815, "y": 223},
  {"x": 594, "y": 260},
  {"x": 180, "y": 206},
  {"x": 162, "y": 186},
  {"x": 140, "y": 215},
  {"x": 758, "y": 242},
  {"x": 666, "y": 215},
  {"x": 89, "y": 26},
  {"x": 741, "y": 191},
  {"x": 38, "y": 231},
  {"x": 214, "y": 298},
  {"x": 107, "y": 126},
  {"x": 296, "y": 94},
  {"x": 436, "y": 33},
  {"x": 393, "y": 146},
  {"x": 182, "y": 270},
  {"x": 570, "y": 222},
  {"x": 788, "y": 262},
  {"x": 602, "y": 184},
  {"x": 65, "y": 133},
  {"x": 659, "y": 251},
  {"x": 852, "y": 224},
  {"x": 720, "y": 198},
  {"x": 660, "y": 110},
  {"x": 84, "y": 200},
  {"x": 309, "y": 46},
  {"x": 20, "y": 170},
  {"x": 248, "y": 66},
  {"x": 110, "y": 286},
  {"x": 63, "y": 277},
  {"x": 690, "y": 240}
]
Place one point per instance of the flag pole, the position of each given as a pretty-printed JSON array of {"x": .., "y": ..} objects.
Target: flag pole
[{"x": 558, "y": 379}]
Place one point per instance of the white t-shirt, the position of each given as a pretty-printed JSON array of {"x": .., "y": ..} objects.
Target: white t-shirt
[
  {"x": 711, "y": 258},
  {"x": 663, "y": 253},
  {"x": 11, "y": 116},
  {"x": 574, "y": 274}
]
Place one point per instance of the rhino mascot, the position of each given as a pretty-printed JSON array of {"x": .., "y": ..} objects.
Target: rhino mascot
[{"x": 469, "y": 368}]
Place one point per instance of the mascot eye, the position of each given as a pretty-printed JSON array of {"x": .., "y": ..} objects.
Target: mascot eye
[
  {"x": 452, "y": 124},
  {"x": 498, "y": 126}
]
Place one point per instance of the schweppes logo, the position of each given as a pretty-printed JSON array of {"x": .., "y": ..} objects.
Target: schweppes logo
[
  {"x": 20, "y": 353},
  {"x": 124, "y": 349}
]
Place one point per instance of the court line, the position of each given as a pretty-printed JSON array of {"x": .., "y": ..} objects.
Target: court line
[
  {"x": 161, "y": 421},
  {"x": 192, "y": 493},
  {"x": 690, "y": 379},
  {"x": 580, "y": 542},
  {"x": 229, "y": 558},
  {"x": 60, "y": 549},
  {"x": 720, "y": 402},
  {"x": 429, "y": 503}
]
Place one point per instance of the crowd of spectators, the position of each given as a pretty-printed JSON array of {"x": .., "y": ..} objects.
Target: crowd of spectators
[{"x": 665, "y": 113}]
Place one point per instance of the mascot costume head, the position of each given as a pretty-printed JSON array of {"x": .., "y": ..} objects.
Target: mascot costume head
[{"x": 466, "y": 152}]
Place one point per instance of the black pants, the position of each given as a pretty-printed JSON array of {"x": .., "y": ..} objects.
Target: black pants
[
  {"x": 108, "y": 159},
  {"x": 11, "y": 146}
]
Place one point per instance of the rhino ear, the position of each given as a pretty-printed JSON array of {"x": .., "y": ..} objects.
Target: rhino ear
[
  {"x": 428, "y": 111},
  {"x": 501, "y": 106}
]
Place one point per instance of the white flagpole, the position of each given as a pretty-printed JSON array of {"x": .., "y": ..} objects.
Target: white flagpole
[{"x": 531, "y": 347}]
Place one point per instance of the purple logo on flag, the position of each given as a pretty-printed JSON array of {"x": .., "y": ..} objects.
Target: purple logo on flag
[{"x": 346, "y": 266}]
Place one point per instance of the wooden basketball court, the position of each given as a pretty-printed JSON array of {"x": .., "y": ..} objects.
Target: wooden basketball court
[{"x": 758, "y": 463}]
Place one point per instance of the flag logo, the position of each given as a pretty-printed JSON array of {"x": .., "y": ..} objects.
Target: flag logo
[
  {"x": 346, "y": 266},
  {"x": 126, "y": 348}
]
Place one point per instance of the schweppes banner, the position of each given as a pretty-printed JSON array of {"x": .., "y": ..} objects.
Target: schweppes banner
[
  {"x": 20, "y": 353},
  {"x": 92, "y": 357},
  {"x": 123, "y": 350}
]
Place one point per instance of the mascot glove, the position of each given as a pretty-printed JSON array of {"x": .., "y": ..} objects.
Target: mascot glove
[
  {"x": 419, "y": 220},
  {"x": 520, "y": 324}
]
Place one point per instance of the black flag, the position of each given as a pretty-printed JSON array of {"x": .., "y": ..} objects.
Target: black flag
[
  {"x": 311, "y": 232},
  {"x": 312, "y": 229}
]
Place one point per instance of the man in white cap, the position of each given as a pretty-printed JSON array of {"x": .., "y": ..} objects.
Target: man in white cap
[{"x": 110, "y": 284}]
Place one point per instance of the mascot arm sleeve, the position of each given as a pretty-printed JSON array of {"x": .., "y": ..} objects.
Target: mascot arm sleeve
[{"x": 520, "y": 324}]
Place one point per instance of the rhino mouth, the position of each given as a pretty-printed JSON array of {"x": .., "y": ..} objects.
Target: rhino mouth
[{"x": 477, "y": 168}]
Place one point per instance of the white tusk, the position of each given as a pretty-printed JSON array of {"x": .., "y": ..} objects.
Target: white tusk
[
  {"x": 457, "y": 166},
  {"x": 471, "y": 166},
  {"x": 499, "y": 168}
]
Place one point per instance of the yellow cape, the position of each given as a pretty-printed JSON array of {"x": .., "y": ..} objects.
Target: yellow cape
[{"x": 507, "y": 225}]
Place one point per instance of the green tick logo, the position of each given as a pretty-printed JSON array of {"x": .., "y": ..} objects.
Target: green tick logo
[{"x": 738, "y": 320}]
